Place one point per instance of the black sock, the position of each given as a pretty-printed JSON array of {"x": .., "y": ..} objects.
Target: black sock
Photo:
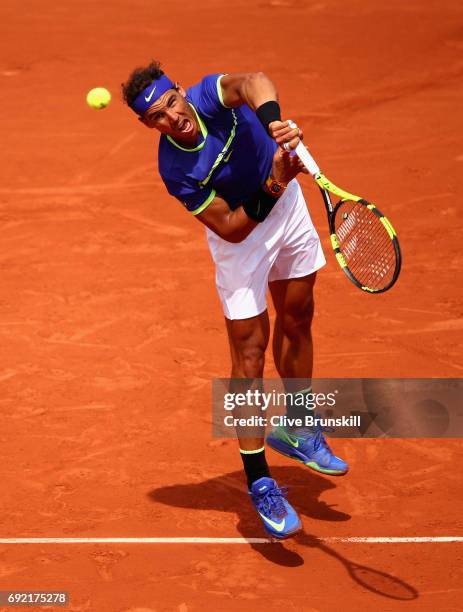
[{"x": 255, "y": 465}]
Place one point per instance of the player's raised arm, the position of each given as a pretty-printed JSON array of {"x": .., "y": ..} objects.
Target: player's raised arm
[
  {"x": 251, "y": 88},
  {"x": 258, "y": 91}
]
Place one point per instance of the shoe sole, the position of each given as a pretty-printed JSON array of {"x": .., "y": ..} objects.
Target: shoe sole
[{"x": 299, "y": 457}]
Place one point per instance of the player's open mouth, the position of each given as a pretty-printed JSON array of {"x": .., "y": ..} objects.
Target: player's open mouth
[{"x": 185, "y": 126}]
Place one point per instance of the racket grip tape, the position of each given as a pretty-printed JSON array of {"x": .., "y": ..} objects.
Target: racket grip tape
[
  {"x": 304, "y": 155},
  {"x": 307, "y": 160}
]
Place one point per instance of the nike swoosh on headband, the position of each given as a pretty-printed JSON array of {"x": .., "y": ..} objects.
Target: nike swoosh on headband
[{"x": 148, "y": 98}]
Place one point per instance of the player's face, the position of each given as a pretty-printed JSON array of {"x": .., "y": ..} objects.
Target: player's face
[{"x": 172, "y": 115}]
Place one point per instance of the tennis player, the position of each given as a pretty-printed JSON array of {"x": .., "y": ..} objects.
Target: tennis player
[{"x": 225, "y": 154}]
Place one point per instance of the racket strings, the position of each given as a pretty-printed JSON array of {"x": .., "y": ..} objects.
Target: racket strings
[
  {"x": 371, "y": 264},
  {"x": 365, "y": 245}
]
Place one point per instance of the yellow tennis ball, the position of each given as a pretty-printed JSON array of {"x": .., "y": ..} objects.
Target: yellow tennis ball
[{"x": 98, "y": 98}]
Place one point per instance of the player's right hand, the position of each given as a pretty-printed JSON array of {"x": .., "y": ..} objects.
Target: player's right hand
[{"x": 283, "y": 134}]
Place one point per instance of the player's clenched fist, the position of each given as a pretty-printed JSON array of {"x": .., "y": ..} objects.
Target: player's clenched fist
[{"x": 286, "y": 134}]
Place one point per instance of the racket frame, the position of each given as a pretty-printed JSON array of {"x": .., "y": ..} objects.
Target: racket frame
[{"x": 326, "y": 187}]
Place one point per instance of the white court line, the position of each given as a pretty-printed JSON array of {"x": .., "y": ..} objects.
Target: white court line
[{"x": 351, "y": 540}]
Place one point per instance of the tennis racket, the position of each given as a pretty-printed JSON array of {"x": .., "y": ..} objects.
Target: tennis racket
[{"x": 364, "y": 242}]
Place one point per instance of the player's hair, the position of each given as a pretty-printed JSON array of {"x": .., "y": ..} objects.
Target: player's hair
[{"x": 139, "y": 80}]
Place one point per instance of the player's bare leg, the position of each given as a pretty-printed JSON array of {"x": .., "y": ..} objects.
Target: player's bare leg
[
  {"x": 293, "y": 354},
  {"x": 292, "y": 338},
  {"x": 248, "y": 341}
]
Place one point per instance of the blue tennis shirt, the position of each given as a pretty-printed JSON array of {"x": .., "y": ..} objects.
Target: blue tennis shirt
[{"x": 232, "y": 159}]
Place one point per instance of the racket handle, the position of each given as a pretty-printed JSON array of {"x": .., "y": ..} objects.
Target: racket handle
[
  {"x": 307, "y": 160},
  {"x": 304, "y": 155}
]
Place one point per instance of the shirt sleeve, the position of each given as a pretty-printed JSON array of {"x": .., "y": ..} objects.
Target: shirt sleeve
[
  {"x": 194, "y": 200},
  {"x": 207, "y": 96}
]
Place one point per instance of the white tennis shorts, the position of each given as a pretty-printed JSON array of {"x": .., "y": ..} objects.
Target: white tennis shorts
[{"x": 285, "y": 245}]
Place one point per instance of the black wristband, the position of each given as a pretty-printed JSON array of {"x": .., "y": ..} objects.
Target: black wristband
[
  {"x": 259, "y": 205},
  {"x": 268, "y": 112}
]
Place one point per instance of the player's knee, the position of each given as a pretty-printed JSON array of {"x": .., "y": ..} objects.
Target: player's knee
[
  {"x": 251, "y": 360},
  {"x": 298, "y": 319}
]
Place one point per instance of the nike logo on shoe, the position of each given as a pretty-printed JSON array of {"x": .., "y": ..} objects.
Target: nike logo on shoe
[
  {"x": 148, "y": 98},
  {"x": 294, "y": 443},
  {"x": 277, "y": 526}
]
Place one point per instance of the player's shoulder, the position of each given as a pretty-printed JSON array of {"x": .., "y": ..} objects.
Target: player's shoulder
[
  {"x": 206, "y": 95},
  {"x": 206, "y": 84}
]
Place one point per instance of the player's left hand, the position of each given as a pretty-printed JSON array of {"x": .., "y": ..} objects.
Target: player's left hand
[{"x": 286, "y": 166}]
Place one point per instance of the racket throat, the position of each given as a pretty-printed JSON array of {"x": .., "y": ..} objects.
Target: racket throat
[{"x": 327, "y": 201}]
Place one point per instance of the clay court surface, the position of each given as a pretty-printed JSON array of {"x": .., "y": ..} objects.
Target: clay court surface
[{"x": 111, "y": 330}]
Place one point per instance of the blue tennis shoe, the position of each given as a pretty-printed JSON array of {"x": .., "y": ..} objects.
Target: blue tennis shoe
[
  {"x": 308, "y": 446},
  {"x": 279, "y": 518}
]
